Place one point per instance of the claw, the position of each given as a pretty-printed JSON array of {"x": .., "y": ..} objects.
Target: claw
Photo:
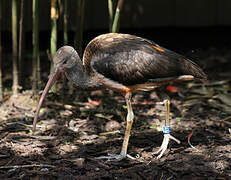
[
  {"x": 115, "y": 157},
  {"x": 164, "y": 145},
  {"x": 112, "y": 157}
]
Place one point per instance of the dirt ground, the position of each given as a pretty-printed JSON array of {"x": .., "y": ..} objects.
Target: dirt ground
[{"x": 74, "y": 130}]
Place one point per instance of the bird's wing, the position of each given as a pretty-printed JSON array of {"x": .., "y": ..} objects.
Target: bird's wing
[{"x": 130, "y": 60}]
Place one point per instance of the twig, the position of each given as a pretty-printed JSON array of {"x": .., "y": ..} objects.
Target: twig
[
  {"x": 109, "y": 133},
  {"x": 227, "y": 118},
  {"x": 189, "y": 137},
  {"x": 4, "y": 155},
  {"x": 224, "y": 120},
  {"x": 26, "y": 166},
  {"x": 214, "y": 83},
  {"x": 49, "y": 55},
  {"x": 21, "y": 107}
]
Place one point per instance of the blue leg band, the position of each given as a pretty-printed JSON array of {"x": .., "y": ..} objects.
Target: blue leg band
[{"x": 166, "y": 129}]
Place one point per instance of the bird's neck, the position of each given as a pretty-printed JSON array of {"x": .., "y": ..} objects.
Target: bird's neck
[{"x": 80, "y": 78}]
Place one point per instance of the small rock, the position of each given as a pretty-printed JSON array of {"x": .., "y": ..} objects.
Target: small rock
[
  {"x": 146, "y": 155},
  {"x": 79, "y": 161},
  {"x": 97, "y": 169},
  {"x": 55, "y": 157},
  {"x": 65, "y": 113},
  {"x": 44, "y": 169},
  {"x": 209, "y": 123},
  {"x": 112, "y": 126}
]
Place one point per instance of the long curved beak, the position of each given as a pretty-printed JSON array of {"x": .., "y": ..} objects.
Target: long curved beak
[{"x": 52, "y": 79}]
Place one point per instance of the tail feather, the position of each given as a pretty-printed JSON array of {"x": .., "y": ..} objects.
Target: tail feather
[{"x": 192, "y": 68}]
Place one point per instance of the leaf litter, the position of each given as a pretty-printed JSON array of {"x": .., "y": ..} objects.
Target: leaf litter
[{"x": 71, "y": 134}]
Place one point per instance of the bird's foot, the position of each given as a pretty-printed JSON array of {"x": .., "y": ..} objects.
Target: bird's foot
[
  {"x": 164, "y": 145},
  {"x": 116, "y": 157}
]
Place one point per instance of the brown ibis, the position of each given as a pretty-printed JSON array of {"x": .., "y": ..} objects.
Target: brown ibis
[{"x": 126, "y": 64}]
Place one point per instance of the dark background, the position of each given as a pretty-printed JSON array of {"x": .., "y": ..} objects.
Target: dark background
[{"x": 171, "y": 23}]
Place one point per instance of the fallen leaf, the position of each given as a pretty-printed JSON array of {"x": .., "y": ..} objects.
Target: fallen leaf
[
  {"x": 207, "y": 92},
  {"x": 222, "y": 107},
  {"x": 104, "y": 116},
  {"x": 94, "y": 103},
  {"x": 172, "y": 89},
  {"x": 225, "y": 98}
]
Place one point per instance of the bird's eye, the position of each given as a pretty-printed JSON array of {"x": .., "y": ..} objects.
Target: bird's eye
[
  {"x": 65, "y": 61},
  {"x": 68, "y": 62}
]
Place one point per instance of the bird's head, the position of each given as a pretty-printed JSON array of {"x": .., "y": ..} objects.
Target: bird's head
[{"x": 64, "y": 59}]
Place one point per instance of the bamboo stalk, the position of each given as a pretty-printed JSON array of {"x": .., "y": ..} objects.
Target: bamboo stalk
[
  {"x": 15, "y": 86},
  {"x": 110, "y": 12},
  {"x": 82, "y": 8},
  {"x": 1, "y": 87},
  {"x": 65, "y": 22},
  {"x": 79, "y": 26},
  {"x": 53, "y": 42},
  {"x": 117, "y": 16},
  {"x": 38, "y": 67},
  {"x": 38, "y": 55},
  {"x": 53, "y": 38},
  {"x": 20, "y": 41},
  {"x": 35, "y": 43},
  {"x": 65, "y": 41}
]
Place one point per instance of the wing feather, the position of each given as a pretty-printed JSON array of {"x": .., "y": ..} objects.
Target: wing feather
[{"x": 131, "y": 60}]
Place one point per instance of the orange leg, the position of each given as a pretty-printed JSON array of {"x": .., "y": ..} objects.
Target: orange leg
[{"x": 123, "y": 154}]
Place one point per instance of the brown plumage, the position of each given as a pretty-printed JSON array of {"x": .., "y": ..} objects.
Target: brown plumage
[
  {"x": 130, "y": 60},
  {"x": 123, "y": 63}
]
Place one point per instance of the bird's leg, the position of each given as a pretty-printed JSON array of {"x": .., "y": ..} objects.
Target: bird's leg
[
  {"x": 166, "y": 131},
  {"x": 130, "y": 116}
]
